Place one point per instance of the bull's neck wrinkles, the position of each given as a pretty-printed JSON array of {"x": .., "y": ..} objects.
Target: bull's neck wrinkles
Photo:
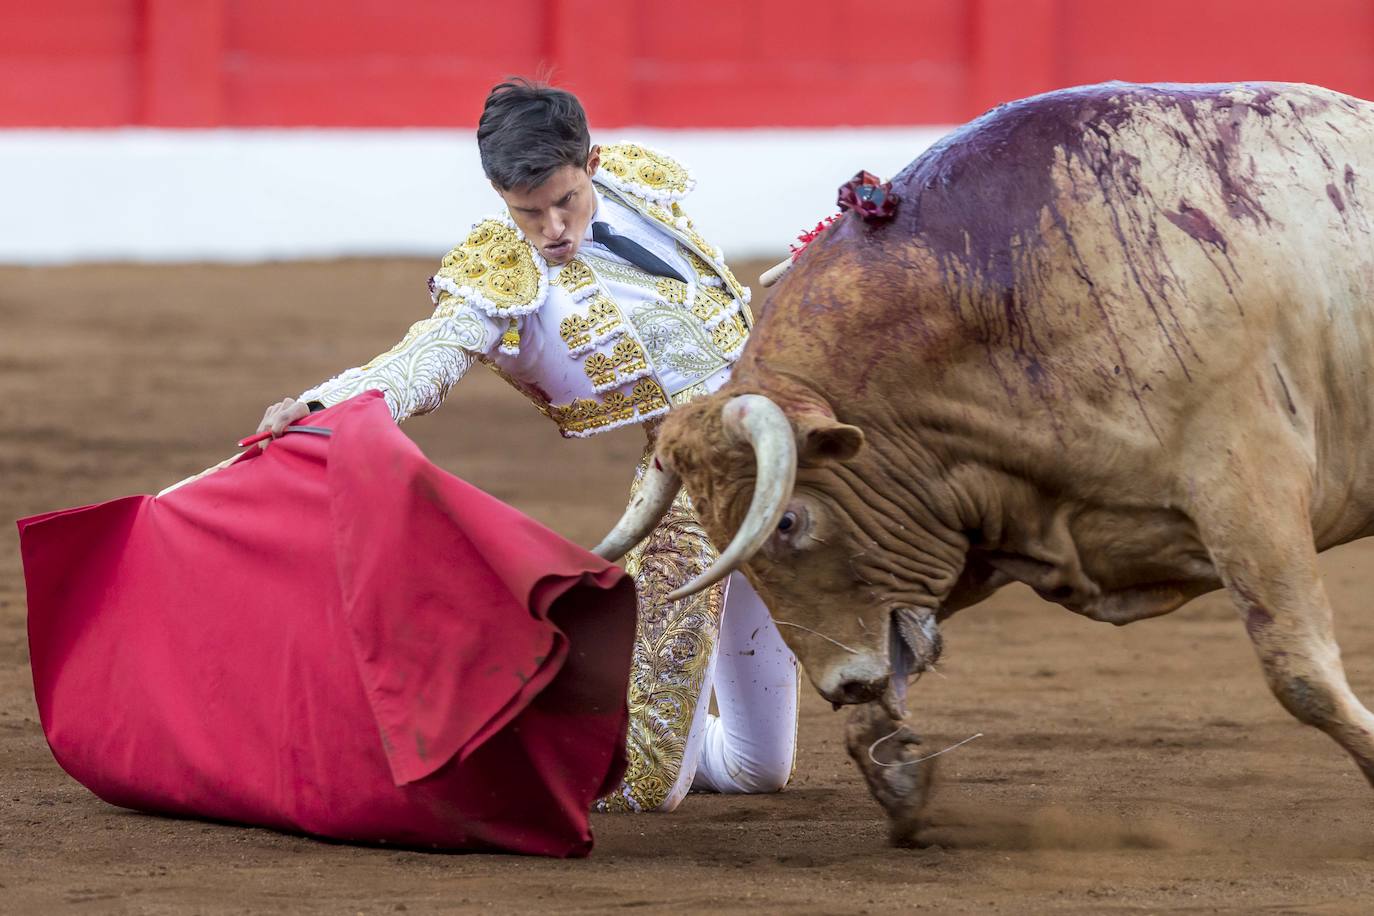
[{"x": 900, "y": 502}]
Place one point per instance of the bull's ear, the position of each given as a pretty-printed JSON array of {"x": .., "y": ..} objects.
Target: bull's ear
[{"x": 822, "y": 440}]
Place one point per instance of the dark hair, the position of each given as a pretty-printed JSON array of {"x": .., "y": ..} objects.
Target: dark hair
[{"x": 528, "y": 131}]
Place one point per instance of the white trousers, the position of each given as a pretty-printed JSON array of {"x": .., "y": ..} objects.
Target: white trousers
[{"x": 751, "y": 746}]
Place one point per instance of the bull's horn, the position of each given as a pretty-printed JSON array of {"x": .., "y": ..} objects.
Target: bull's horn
[
  {"x": 757, "y": 420},
  {"x": 774, "y": 274},
  {"x": 656, "y": 492}
]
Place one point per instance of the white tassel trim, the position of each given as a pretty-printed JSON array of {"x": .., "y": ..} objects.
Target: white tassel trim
[
  {"x": 612, "y": 334},
  {"x": 516, "y": 326},
  {"x": 621, "y": 379},
  {"x": 734, "y": 354},
  {"x": 715, "y": 320},
  {"x": 639, "y": 417},
  {"x": 598, "y": 340},
  {"x": 643, "y": 191},
  {"x": 478, "y": 301}
]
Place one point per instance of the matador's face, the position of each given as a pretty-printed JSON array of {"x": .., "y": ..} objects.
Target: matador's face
[{"x": 554, "y": 215}]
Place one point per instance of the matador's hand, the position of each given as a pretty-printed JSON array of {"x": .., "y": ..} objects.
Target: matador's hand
[{"x": 281, "y": 415}]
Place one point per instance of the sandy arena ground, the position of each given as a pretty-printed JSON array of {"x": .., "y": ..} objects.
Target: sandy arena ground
[{"x": 1137, "y": 769}]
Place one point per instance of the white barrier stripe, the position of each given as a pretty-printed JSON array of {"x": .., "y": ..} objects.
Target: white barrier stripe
[{"x": 247, "y": 195}]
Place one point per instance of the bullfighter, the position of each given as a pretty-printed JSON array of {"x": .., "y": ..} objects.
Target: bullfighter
[{"x": 597, "y": 298}]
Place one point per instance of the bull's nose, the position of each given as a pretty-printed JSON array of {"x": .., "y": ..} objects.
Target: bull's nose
[{"x": 852, "y": 692}]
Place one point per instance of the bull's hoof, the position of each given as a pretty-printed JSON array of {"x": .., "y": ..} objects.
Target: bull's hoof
[{"x": 885, "y": 751}]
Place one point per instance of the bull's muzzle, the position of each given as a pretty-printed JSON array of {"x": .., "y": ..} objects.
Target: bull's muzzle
[
  {"x": 855, "y": 693},
  {"x": 913, "y": 646}
]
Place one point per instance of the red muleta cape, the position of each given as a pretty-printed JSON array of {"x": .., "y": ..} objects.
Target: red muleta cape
[{"x": 334, "y": 636}]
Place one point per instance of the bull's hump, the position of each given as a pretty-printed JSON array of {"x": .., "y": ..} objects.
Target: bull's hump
[
  {"x": 984, "y": 185},
  {"x": 1028, "y": 133}
]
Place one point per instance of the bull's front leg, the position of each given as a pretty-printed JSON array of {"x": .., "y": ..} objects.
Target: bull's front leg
[
  {"x": 1266, "y": 557},
  {"x": 885, "y": 751},
  {"x": 1289, "y": 623}
]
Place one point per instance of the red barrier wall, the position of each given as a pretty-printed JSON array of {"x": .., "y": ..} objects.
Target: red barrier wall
[{"x": 699, "y": 63}]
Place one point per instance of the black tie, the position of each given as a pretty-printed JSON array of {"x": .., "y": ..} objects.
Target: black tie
[{"x": 633, "y": 252}]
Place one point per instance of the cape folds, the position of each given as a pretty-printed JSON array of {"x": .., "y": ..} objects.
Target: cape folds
[{"x": 334, "y": 636}]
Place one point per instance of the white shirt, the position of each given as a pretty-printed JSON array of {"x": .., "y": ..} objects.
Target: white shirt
[{"x": 630, "y": 224}]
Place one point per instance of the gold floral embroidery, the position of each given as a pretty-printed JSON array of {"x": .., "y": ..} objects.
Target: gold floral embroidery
[
  {"x": 674, "y": 642},
  {"x": 720, "y": 295},
  {"x": 600, "y": 369},
  {"x": 697, "y": 240},
  {"x": 576, "y": 331},
  {"x": 585, "y": 416},
  {"x": 721, "y": 272},
  {"x": 711, "y": 301},
  {"x": 574, "y": 276},
  {"x": 666, "y": 216},
  {"x": 729, "y": 335},
  {"x": 626, "y": 362},
  {"x": 496, "y": 266},
  {"x": 651, "y": 174},
  {"x": 601, "y": 322},
  {"x": 704, "y": 270},
  {"x": 732, "y": 283},
  {"x": 709, "y": 304},
  {"x": 674, "y": 291},
  {"x": 682, "y": 226},
  {"x": 605, "y": 317}
]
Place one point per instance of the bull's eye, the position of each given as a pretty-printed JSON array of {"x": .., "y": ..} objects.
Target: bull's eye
[{"x": 787, "y": 522}]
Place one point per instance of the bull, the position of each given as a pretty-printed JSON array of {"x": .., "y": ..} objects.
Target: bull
[{"x": 1115, "y": 343}]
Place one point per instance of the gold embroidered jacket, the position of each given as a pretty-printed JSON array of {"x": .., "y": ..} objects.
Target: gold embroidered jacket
[{"x": 589, "y": 358}]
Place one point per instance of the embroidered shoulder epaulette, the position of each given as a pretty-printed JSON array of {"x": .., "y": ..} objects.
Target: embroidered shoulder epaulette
[
  {"x": 494, "y": 270},
  {"x": 641, "y": 172}
]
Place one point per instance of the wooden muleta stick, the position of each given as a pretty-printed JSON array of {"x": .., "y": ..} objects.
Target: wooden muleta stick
[
  {"x": 774, "y": 273},
  {"x": 245, "y": 443}
]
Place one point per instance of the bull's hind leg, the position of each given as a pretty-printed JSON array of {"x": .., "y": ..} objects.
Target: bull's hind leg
[{"x": 1268, "y": 562}]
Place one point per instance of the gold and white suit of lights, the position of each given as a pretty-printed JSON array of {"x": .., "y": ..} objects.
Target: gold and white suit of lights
[{"x": 498, "y": 302}]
